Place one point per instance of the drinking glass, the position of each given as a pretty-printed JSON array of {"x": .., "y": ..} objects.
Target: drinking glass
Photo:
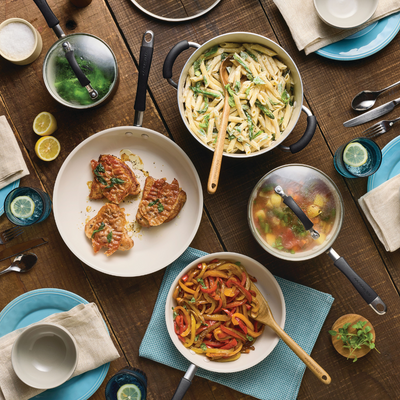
[
  {"x": 370, "y": 167},
  {"x": 126, "y": 376},
  {"x": 42, "y": 206}
]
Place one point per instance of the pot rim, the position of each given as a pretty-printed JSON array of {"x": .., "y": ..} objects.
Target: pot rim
[
  {"x": 113, "y": 86},
  {"x": 259, "y": 39},
  {"x": 324, "y": 248}
]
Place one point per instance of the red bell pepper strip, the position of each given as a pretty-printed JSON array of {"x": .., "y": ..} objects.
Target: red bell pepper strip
[
  {"x": 236, "y": 304},
  {"x": 231, "y": 282},
  {"x": 176, "y": 325},
  {"x": 232, "y": 332},
  {"x": 212, "y": 288},
  {"x": 229, "y": 345},
  {"x": 217, "y": 298},
  {"x": 214, "y": 261},
  {"x": 214, "y": 344},
  {"x": 244, "y": 278},
  {"x": 185, "y": 277},
  {"x": 243, "y": 327}
]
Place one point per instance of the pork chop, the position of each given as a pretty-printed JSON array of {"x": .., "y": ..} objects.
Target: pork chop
[{"x": 107, "y": 229}]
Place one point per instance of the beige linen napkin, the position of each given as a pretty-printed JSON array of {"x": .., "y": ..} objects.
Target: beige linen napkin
[
  {"x": 12, "y": 164},
  {"x": 311, "y": 33},
  {"x": 382, "y": 209},
  {"x": 95, "y": 348}
]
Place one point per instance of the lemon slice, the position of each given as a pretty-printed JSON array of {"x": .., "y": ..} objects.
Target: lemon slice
[
  {"x": 355, "y": 154},
  {"x": 44, "y": 124},
  {"x": 22, "y": 207},
  {"x": 47, "y": 148},
  {"x": 129, "y": 392}
]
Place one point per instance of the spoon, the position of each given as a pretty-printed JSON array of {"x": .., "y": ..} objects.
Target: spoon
[
  {"x": 265, "y": 317},
  {"x": 21, "y": 263},
  {"x": 219, "y": 147},
  {"x": 365, "y": 100}
]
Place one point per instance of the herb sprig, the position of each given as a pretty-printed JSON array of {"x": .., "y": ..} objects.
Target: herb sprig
[{"x": 354, "y": 341}]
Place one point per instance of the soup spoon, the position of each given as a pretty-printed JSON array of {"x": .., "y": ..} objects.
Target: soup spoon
[
  {"x": 219, "y": 147},
  {"x": 21, "y": 263},
  {"x": 366, "y": 99}
]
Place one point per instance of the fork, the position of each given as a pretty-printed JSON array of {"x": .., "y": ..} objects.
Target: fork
[
  {"x": 10, "y": 234},
  {"x": 379, "y": 128}
]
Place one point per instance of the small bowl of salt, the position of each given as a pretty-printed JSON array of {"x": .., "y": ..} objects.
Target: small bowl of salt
[{"x": 20, "y": 42}]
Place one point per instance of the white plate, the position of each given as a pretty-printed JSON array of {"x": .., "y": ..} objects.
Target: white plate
[
  {"x": 154, "y": 248},
  {"x": 264, "y": 344}
]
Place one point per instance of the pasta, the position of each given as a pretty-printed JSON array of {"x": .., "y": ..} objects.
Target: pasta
[
  {"x": 260, "y": 91},
  {"x": 215, "y": 311}
]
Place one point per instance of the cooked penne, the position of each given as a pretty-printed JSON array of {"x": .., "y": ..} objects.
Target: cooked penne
[{"x": 260, "y": 97}]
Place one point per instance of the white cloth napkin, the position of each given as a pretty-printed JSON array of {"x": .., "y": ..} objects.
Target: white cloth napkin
[
  {"x": 382, "y": 209},
  {"x": 12, "y": 164},
  {"x": 310, "y": 33},
  {"x": 95, "y": 348}
]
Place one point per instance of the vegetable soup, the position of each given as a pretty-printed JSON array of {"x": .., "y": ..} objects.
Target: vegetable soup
[{"x": 279, "y": 227}]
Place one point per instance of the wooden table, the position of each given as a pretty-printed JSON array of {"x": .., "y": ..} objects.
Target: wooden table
[{"x": 127, "y": 304}]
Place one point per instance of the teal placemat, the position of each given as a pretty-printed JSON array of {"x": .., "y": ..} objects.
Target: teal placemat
[{"x": 279, "y": 376}]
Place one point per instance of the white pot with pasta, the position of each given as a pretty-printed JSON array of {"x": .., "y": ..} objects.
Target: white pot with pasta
[{"x": 265, "y": 94}]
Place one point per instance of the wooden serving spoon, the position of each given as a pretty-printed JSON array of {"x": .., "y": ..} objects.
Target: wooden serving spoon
[
  {"x": 265, "y": 317},
  {"x": 219, "y": 147}
]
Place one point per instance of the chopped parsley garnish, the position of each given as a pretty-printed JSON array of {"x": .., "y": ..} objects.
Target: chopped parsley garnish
[
  {"x": 203, "y": 347},
  {"x": 97, "y": 171},
  {"x": 249, "y": 338},
  {"x": 200, "y": 280},
  {"x": 192, "y": 300},
  {"x": 100, "y": 228}
]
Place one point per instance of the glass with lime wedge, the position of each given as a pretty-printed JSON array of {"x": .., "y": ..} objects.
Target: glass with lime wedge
[{"x": 360, "y": 157}]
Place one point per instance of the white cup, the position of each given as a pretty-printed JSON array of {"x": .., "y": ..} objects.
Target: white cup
[{"x": 37, "y": 48}]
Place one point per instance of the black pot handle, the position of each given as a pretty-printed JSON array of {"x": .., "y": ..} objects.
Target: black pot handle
[
  {"x": 48, "y": 15},
  {"x": 300, "y": 214},
  {"x": 185, "y": 383},
  {"x": 366, "y": 292},
  {"x": 307, "y": 135},
  {"x": 172, "y": 56}
]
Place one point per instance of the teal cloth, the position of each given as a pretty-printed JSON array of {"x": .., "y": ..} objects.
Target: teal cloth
[{"x": 278, "y": 376}]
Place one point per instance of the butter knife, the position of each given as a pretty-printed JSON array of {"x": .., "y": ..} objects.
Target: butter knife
[
  {"x": 370, "y": 115},
  {"x": 20, "y": 248}
]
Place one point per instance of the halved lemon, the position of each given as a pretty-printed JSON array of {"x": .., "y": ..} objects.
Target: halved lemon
[
  {"x": 129, "y": 392},
  {"x": 22, "y": 207},
  {"x": 44, "y": 124},
  {"x": 355, "y": 154},
  {"x": 47, "y": 148}
]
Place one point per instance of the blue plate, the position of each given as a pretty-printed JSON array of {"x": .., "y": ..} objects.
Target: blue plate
[
  {"x": 4, "y": 192},
  {"x": 364, "y": 43},
  {"x": 390, "y": 166},
  {"x": 32, "y": 307}
]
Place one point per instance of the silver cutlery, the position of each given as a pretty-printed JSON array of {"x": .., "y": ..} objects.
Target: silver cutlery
[
  {"x": 19, "y": 248},
  {"x": 21, "y": 263},
  {"x": 379, "y": 128},
  {"x": 370, "y": 115},
  {"x": 364, "y": 100},
  {"x": 10, "y": 234}
]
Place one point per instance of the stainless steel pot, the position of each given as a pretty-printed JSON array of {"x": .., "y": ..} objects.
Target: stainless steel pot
[
  {"x": 245, "y": 37},
  {"x": 96, "y": 61},
  {"x": 301, "y": 178}
]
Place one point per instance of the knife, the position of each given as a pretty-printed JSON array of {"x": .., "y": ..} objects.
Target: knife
[
  {"x": 21, "y": 247},
  {"x": 370, "y": 115}
]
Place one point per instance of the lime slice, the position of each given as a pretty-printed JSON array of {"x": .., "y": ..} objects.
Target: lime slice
[
  {"x": 129, "y": 392},
  {"x": 355, "y": 154},
  {"x": 22, "y": 207}
]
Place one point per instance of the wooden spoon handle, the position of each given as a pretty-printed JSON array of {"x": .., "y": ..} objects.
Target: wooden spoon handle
[
  {"x": 219, "y": 149},
  {"x": 315, "y": 368}
]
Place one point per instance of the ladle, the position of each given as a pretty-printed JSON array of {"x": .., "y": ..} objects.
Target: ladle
[
  {"x": 213, "y": 178},
  {"x": 366, "y": 99},
  {"x": 21, "y": 263},
  {"x": 265, "y": 317}
]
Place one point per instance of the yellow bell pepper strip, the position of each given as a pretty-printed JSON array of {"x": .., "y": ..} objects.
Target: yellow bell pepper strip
[
  {"x": 233, "y": 333},
  {"x": 229, "y": 352},
  {"x": 228, "y": 359},
  {"x": 212, "y": 325},
  {"x": 219, "y": 335},
  {"x": 215, "y": 273},
  {"x": 229, "y": 292},
  {"x": 244, "y": 319},
  {"x": 217, "y": 317},
  {"x": 212, "y": 302},
  {"x": 185, "y": 288},
  {"x": 192, "y": 330},
  {"x": 196, "y": 312},
  {"x": 255, "y": 334},
  {"x": 255, "y": 308},
  {"x": 176, "y": 292},
  {"x": 221, "y": 292},
  {"x": 231, "y": 267},
  {"x": 203, "y": 271}
]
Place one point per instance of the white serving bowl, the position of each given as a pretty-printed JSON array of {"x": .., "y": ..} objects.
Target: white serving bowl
[
  {"x": 345, "y": 14},
  {"x": 268, "y": 287},
  {"x": 44, "y": 356}
]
